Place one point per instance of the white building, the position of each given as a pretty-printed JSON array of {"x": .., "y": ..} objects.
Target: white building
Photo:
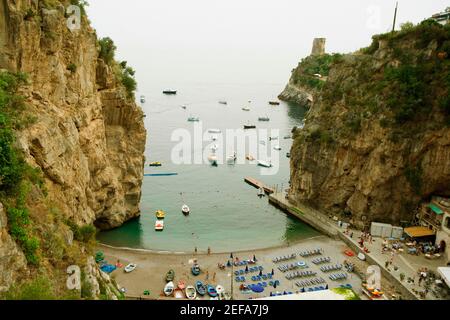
[{"x": 443, "y": 17}]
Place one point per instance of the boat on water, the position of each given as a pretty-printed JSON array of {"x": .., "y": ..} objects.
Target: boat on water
[
  {"x": 160, "y": 214},
  {"x": 184, "y": 106},
  {"x": 261, "y": 193},
  {"x": 232, "y": 159},
  {"x": 195, "y": 270},
  {"x": 274, "y": 103},
  {"x": 215, "y": 131},
  {"x": 278, "y": 148},
  {"x": 214, "y": 148},
  {"x": 185, "y": 209},
  {"x": 193, "y": 119},
  {"x": 168, "y": 289},
  {"x": 223, "y": 102},
  {"x": 170, "y": 275},
  {"x": 287, "y": 137},
  {"x": 213, "y": 160},
  {"x": 250, "y": 158},
  {"x": 160, "y": 174},
  {"x": 142, "y": 99},
  {"x": 246, "y": 109},
  {"x": 159, "y": 225},
  {"x": 200, "y": 287},
  {"x": 262, "y": 142},
  {"x": 265, "y": 164},
  {"x": 155, "y": 164},
  {"x": 249, "y": 126},
  {"x": 170, "y": 91},
  {"x": 266, "y": 118},
  {"x": 288, "y": 155},
  {"x": 212, "y": 292},
  {"x": 273, "y": 138},
  {"x": 130, "y": 268},
  {"x": 191, "y": 293}
]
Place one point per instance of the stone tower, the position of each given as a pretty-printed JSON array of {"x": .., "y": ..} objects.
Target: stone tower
[{"x": 318, "y": 46}]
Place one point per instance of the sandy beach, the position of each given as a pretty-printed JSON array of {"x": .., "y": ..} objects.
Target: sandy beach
[{"x": 152, "y": 268}]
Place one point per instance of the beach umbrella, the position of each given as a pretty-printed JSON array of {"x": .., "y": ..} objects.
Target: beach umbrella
[
  {"x": 231, "y": 256},
  {"x": 275, "y": 285},
  {"x": 260, "y": 273},
  {"x": 228, "y": 263},
  {"x": 273, "y": 272},
  {"x": 254, "y": 258},
  {"x": 246, "y": 269}
]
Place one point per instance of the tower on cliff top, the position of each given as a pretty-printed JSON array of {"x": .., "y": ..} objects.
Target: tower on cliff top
[{"x": 318, "y": 47}]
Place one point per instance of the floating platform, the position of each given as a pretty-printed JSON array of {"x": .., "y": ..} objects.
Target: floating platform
[{"x": 258, "y": 184}]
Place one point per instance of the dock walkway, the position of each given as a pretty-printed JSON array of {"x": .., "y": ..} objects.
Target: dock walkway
[{"x": 258, "y": 184}]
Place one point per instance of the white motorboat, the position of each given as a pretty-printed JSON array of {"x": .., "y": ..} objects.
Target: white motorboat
[
  {"x": 232, "y": 158},
  {"x": 213, "y": 159},
  {"x": 130, "y": 268},
  {"x": 214, "y": 131},
  {"x": 266, "y": 118},
  {"x": 273, "y": 138},
  {"x": 191, "y": 293},
  {"x": 159, "y": 225},
  {"x": 261, "y": 193},
  {"x": 223, "y": 102},
  {"x": 168, "y": 289},
  {"x": 278, "y": 148},
  {"x": 266, "y": 164},
  {"x": 214, "y": 138},
  {"x": 246, "y": 109},
  {"x": 214, "y": 148},
  {"x": 185, "y": 209},
  {"x": 142, "y": 99}
]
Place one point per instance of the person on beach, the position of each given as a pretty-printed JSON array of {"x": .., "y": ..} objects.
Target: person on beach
[
  {"x": 209, "y": 251},
  {"x": 195, "y": 250},
  {"x": 214, "y": 276},
  {"x": 207, "y": 275}
]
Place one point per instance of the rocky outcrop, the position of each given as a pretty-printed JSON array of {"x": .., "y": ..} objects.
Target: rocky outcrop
[
  {"x": 297, "y": 94},
  {"x": 12, "y": 260},
  {"x": 84, "y": 132},
  {"x": 357, "y": 155}
]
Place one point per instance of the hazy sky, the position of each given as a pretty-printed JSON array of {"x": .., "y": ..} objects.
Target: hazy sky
[{"x": 242, "y": 41}]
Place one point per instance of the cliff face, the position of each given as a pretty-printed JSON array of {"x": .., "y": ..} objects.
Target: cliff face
[
  {"x": 87, "y": 136},
  {"x": 377, "y": 140}
]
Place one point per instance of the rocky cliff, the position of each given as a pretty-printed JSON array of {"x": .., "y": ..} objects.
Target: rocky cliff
[
  {"x": 376, "y": 140},
  {"x": 86, "y": 135}
]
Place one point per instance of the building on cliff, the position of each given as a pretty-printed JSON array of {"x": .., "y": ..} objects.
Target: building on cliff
[
  {"x": 436, "y": 216},
  {"x": 318, "y": 47},
  {"x": 442, "y": 17}
]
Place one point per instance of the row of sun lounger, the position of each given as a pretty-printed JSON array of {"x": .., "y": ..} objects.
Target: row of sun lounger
[
  {"x": 309, "y": 283},
  {"x": 250, "y": 270},
  {"x": 338, "y": 276},
  {"x": 284, "y": 258},
  {"x": 263, "y": 277},
  {"x": 240, "y": 279},
  {"x": 310, "y": 253},
  {"x": 331, "y": 268},
  {"x": 300, "y": 274},
  {"x": 320, "y": 288},
  {"x": 321, "y": 260},
  {"x": 292, "y": 266}
]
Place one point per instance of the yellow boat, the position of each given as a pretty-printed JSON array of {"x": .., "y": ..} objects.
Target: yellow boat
[
  {"x": 155, "y": 164},
  {"x": 160, "y": 214}
]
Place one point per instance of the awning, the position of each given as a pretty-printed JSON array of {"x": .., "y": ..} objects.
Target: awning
[
  {"x": 445, "y": 274},
  {"x": 436, "y": 209},
  {"x": 419, "y": 232}
]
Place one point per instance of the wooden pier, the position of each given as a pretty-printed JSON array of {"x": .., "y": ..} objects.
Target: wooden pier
[{"x": 258, "y": 184}]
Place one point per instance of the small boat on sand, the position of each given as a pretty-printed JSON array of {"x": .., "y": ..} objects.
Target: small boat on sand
[
  {"x": 178, "y": 294},
  {"x": 185, "y": 209},
  {"x": 170, "y": 91},
  {"x": 155, "y": 164},
  {"x": 159, "y": 225},
  {"x": 130, "y": 268},
  {"x": 182, "y": 284},
  {"x": 212, "y": 292},
  {"x": 160, "y": 214},
  {"x": 168, "y": 289},
  {"x": 170, "y": 275},
  {"x": 195, "y": 270},
  {"x": 265, "y": 164},
  {"x": 200, "y": 287},
  {"x": 191, "y": 293}
]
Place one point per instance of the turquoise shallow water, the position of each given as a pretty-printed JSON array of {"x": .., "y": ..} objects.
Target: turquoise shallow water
[{"x": 226, "y": 213}]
